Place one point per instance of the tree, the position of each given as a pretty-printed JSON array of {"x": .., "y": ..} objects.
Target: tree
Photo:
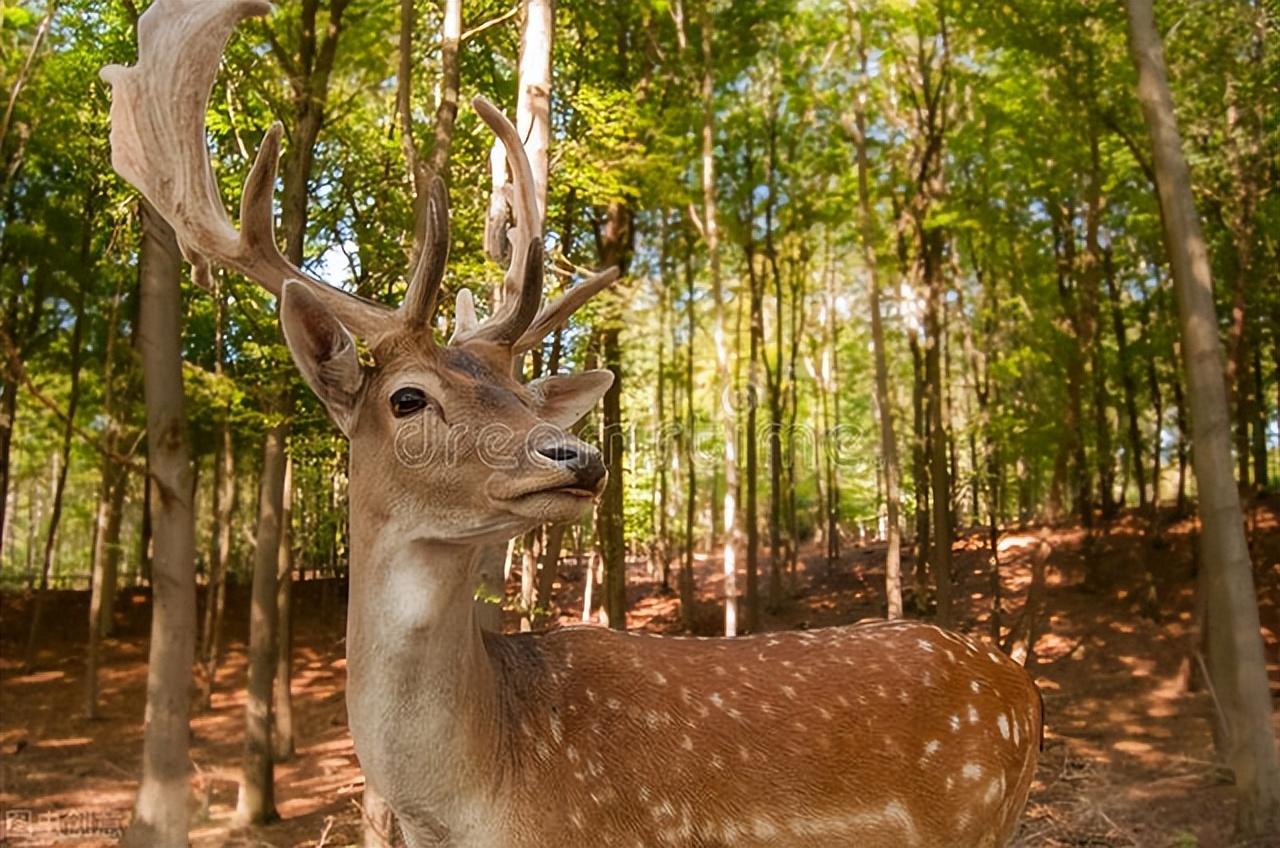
[
  {"x": 160, "y": 813},
  {"x": 1237, "y": 664}
]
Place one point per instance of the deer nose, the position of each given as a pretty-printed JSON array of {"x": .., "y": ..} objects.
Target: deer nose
[
  {"x": 580, "y": 458},
  {"x": 559, "y": 454}
]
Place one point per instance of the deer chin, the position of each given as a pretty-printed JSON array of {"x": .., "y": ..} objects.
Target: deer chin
[{"x": 557, "y": 501}]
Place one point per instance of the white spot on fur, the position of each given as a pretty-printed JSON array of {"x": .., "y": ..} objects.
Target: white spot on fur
[
  {"x": 971, "y": 771},
  {"x": 932, "y": 747},
  {"x": 659, "y": 678},
  {"x": 955, "y": 723},
  {"x": 1003, "y": 721},
  {"x": 974, "y": 687},
  {"x": 973, "y": 714},
  {"x": 925, "y": 645}
]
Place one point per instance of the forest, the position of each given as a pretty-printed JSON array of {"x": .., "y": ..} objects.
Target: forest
[{"x": 962, "y": 313}]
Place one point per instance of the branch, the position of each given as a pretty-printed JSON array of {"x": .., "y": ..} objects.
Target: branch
[
  {"x": 17, "y": 370},
  {"x": 489, "y": 24}
]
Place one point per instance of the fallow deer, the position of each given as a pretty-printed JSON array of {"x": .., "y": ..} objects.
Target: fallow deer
[{"x": 886, "y": 734}]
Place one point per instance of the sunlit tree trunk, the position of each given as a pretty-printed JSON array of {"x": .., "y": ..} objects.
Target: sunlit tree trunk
[
  {"x": 1237, "y": 662},
  {"x": 884, "y": 410},
  {"x": 160, "y": 813},
  {"x": 724, "y": 387}
]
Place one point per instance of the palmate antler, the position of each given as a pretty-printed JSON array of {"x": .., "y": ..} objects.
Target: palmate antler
[{"x": 158, "y": 144}]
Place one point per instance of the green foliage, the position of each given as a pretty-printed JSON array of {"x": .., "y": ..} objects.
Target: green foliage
[{"x": 1030, "y": 85}]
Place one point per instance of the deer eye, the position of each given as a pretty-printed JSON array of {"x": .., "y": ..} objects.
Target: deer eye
[{"x": 408, "y": 400}]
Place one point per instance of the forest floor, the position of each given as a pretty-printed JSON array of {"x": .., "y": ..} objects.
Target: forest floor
[{"x": 1128, "y": 757}]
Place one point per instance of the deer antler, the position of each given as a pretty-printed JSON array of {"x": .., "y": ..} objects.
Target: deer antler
[
  {"x": 424, "y": 284},
  {"x": 158, "y": 144},
  {"x": 518, "y": 321}
]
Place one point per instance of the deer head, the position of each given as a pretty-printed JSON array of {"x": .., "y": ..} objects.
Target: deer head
[{"x": 445, "y": 443}]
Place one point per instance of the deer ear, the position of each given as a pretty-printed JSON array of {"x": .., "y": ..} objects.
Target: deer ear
[
  {"x": 563, "y": 399},
  {"x": 324, "y": 351}
]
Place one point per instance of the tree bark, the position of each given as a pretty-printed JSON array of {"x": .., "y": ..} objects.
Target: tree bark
[
  {"x": 884, "y": 411},
  {"x": 1237, "y": 663},
  {"x": 724, "y": 387},
  {"x": 224, "y": 493},
  {"x": 615, "y": 250},
  {"x": 688, "y": 441},
  {"x": 282, "y": 694},
  {"x": 256, "y": 802},
  {"x": 160, "y": 813}
]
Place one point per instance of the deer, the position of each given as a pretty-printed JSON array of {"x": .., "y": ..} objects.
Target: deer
[{"x": 894, "y": 733}]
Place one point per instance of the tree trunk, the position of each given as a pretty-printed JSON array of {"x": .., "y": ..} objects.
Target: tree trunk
[
  {"x": 60, "y": 482},
  {"x": 615, "y": 250},
  {"x": 724, "y": 386},
  {"x": 888, "y": 442},
  {"x": 1127, "y": 381},
  {"x": 256, "y": 803},
  {"x": 160, "y": 813},
  {"x": 920, "y": 477},
  {"x": 688, "y": 439},
  {"x": 224, "y": 492},
  {"x": 282, "y": 694},
  {"x": 106, "y": 556},
  {"x": 1237, "y": 662}
]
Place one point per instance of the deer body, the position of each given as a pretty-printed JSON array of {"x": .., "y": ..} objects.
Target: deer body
[
  {"x": 881, "y": 734},
  {"x": 892, "y": 734}
]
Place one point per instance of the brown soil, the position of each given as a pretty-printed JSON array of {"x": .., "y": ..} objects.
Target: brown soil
[{"x": 1128, "y": 757}]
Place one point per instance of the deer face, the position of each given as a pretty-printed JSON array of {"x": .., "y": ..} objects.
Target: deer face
[{"x": 445, "y": 445}]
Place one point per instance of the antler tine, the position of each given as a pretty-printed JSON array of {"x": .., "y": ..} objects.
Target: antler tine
[
  {"x": 557, "y": 312},
  {"x": 158, "y": 144},
  {"x": 428, "y": 272},
  {"x": 522, "y": 288}
]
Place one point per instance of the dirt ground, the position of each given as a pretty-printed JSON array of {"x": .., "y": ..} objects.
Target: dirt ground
[{"x": 1128, "y": 758}]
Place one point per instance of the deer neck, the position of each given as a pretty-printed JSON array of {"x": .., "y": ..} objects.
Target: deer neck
[{"x": 422, "y": 696}]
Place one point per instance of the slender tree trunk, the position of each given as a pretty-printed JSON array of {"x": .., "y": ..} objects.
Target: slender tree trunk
[
  {"x": 256, "y": 803},
  {"x": 1127, "y": 381},
  {"x": 60, "y": 483},
  {"x": 920, "y": 477},
  {"x": 1237, "y": 662},
  {"x": 220, "y": 558},
  {"x": 939, "y": 468},
  {"x": 884, "y": 411},
  {"x": 615, "y": 250},
  {"x": 160, "y": 813},
  {"x": 689, "y": 439},
  {"x": 107, "y": 520},
  {"x": 282, "y": 694},
  {"x": 1259, "y": 445},
  {"x": 724, "y": 385},
  {"x": 756, "y": 334},
  {"x": 224, "y": 487}
]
